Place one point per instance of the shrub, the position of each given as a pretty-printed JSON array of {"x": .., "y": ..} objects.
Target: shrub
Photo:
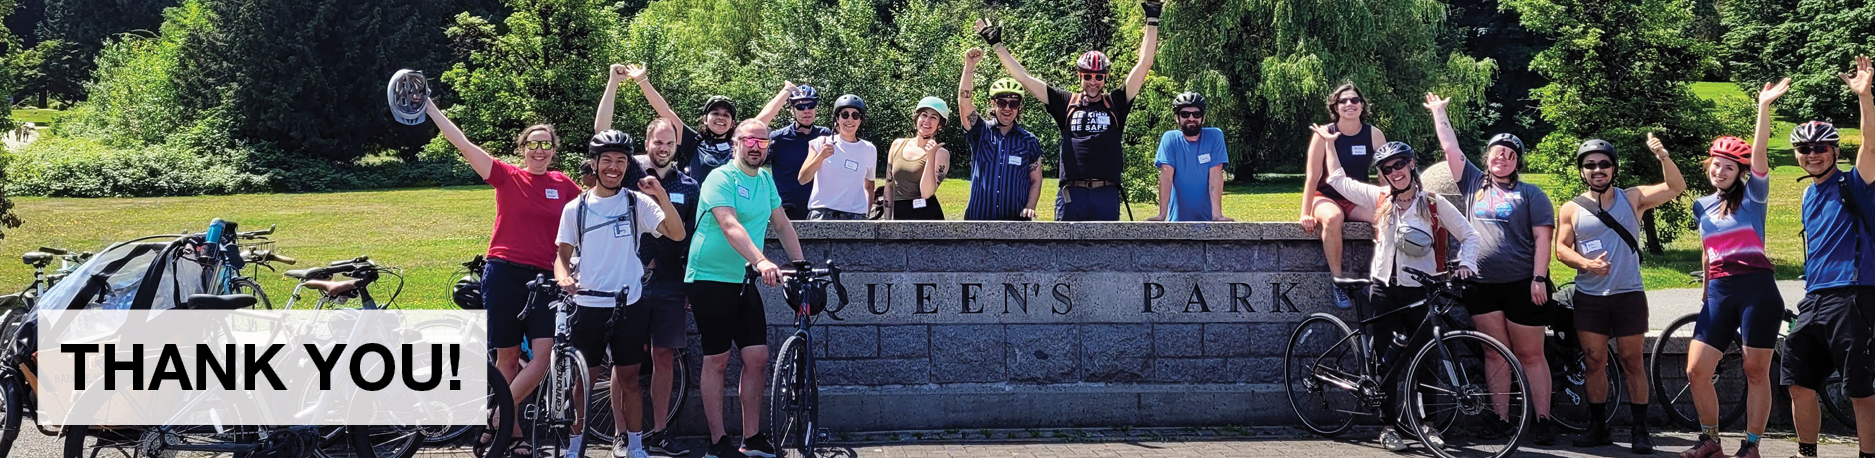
[{"x": 71, "y": 167}]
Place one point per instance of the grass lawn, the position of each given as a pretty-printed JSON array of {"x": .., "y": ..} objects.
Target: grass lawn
[{"x": 39, "y": 116}]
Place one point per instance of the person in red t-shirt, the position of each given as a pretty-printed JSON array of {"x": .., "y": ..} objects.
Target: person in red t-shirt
[{"x": 528, "y": 202}]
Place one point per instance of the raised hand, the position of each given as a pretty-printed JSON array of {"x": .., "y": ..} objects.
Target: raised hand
[
  {"x": 1859, "y": 78},
  {"x": 1436, "y": 103},
  {"x": 634, "y": 71},
  {"x": 991, "y": 33},
  {"x": 1659, "y": 149},
  {"x": 1322, "y": 131},
  {"x": 1152, "y": 8},
  {"x": 1772, "y": 91},
  {"x": 651, "y": 187},
  {"x": 972, "y": 56}
]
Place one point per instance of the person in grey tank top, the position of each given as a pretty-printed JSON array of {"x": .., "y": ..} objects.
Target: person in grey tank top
[{"x": 1609, "y": 301}]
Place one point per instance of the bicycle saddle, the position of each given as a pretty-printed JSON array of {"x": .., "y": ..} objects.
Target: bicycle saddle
[
  {"x": 1353, "y": 283},
  {"x": 213, "y": 302},
  {"x": 37, "y": 258},
  {"x": 333, "y": 286}
]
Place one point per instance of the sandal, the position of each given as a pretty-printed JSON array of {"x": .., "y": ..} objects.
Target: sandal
[
  {"x": 520, "y": 445},
  {"x": 483, "y": 443}
]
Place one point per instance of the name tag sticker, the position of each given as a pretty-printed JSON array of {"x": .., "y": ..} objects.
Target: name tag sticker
[
  {"x": 1015, "y": 160},
  {"x": 743, "y": 191},
  {"x": 1360, "y": 150},
  {"x": 621, "y": 228},
  {"x": 1591, "y": 246},
  {"x": 1204, "y": 158},
  {"x": 553, "y": 194},
  {"x": 852, "y": 165},
  {"x": 677, "y": 198},
  {"x": 917, "y": 203}
]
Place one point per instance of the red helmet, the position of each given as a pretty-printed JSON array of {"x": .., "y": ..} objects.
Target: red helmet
[
  {"x": 1093, "y": 62},
  {"x": 1729, "y": 147}
]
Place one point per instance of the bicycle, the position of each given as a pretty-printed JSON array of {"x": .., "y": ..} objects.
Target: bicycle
[
  {"x": 384, "y": 440},
  {"x": 599, "y": 422},
  {"x": 16, "y": 398},
  {"x": 1569, "y": 401},
  {"x": 1728, "y": 378},
  {"x": 794, "y": 394},
  {"x": 552, "y": 414},
  {"x": 1333, "y": 376}
]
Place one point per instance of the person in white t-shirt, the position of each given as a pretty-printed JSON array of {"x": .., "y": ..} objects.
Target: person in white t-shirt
[
  {"x": 598, "y": 266},
  {"x": 841, "y": 166}
]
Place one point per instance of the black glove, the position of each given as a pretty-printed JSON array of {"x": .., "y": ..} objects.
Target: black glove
[
  {"x": 992, "y": 34},
  {"x": 1152, "y": 9}
]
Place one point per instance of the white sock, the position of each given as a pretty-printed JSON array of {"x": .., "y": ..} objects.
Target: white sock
[{"x": 634, "y": 441}]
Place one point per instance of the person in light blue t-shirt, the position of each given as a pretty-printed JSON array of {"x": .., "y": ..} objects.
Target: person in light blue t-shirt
[{"x": 1191, "y": 166}]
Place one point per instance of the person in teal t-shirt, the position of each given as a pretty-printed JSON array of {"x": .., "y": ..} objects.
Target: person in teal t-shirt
[
  {"x": 1191, "y": 166},
  {"x": 736, "y": 206}
]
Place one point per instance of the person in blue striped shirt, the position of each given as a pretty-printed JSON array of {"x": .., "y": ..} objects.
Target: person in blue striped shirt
[{"x": 1005, "y": 159}]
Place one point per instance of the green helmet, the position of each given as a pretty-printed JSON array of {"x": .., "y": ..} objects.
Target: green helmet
[
  {"x": 1005, "y": 86},
  {"x": 936, "y": 105}
]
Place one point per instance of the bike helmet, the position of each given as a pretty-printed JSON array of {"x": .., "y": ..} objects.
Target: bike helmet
[
  {"x": 1597, "y": 146},
  {"x": 1188, "y": 99},
  {"x": 804, "y": 92},
  {"x": 467, "y": 293},
  {"x": 936, "y": 105},
  {"x": 408, "y": 93},
  {"x": 849, "y": 101},
  {"x": 719, "y": 101},
  {"x": 1729, "y": 147},
  {"x": 1005, "y": 86},
  {"x": 1509, "y": 141},
  {"x": 1093, "y": 62},
  {"x": 1392, "y": 150},
  {"x": 1814, "y": 132},
  {"x": 609, "y": 141}
]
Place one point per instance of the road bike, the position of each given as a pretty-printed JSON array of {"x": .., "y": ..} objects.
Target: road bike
[{"x": 794, "y": 394}]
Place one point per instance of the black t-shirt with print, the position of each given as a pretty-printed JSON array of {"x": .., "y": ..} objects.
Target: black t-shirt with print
[{"x": 1090, "y": 133}]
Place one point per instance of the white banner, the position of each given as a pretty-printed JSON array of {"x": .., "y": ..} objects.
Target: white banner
[{"x": 250, "y": 367}]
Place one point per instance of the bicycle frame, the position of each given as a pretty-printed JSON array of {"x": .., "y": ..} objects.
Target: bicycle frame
[{"x": 1439, "y": 300}]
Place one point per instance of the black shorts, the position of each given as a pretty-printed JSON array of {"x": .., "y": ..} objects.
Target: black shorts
[
  {"x": 903, "y": 210},
  {"x": 728, "y": 316},
  {"x": 1511, "y": 298},
  {"x": 1832, "y": 334},
  {"x": 1614, "y": 315},
  {"x": 1745, "y": 304},
  {"x": 504, "y": 292},
  {"x": 626, "y": 341},
  {"x": 669, "y": 321}
]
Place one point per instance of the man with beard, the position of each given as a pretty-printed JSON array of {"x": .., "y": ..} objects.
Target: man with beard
[
  {"x": 740, "y": 202},
  {"x": 1833, "y": 333},
  {"x": 1005, "y": 159},
  {"x": 1092, "y": 121},
  {"x": 598, "y": 266},
  {"x": 1191, "y": 166},
  {"x": 698, "y": 151},
  {"x": 1595, "y": 235},
  {"x": 792, "y": 151}
]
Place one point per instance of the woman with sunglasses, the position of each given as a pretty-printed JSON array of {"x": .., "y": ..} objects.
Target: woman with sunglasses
[
  {"x": 841, "y": 168},
  {"x": 1323, "y": 206},
  {"x": 1408, "y": 221},
  {"x": 918, "y": 165},
  {"x": 528, "y": 202}
]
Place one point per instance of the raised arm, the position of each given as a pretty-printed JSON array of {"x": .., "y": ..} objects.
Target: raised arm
[
  {"x": 602, "y": 121},
  {"x": 936, "y": 163},
  {"x": 776, "y": 104},
  {"x": 966, "y": 88},
  {"x": 480, "y": 160},
  {"x": 993, "y": 34},
  {"x": 671, "y": 226},
  {"x": 1761, "y": 138},
  {"x": 1148, "y": 48},
  {"x": 658, "y": 104},
  {"x": 1859, "y": 84},
  {"x": 1448, "y": 140},
  {"x": 815, "y": 157},
  {"x": 1654, "y": 195}
]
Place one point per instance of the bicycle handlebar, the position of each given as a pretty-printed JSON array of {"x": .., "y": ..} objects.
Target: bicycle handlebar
[
  {"x": 259, "y": 233},
  {"x": 53, "y": 251},
  {"x": 803, "y": 271}
]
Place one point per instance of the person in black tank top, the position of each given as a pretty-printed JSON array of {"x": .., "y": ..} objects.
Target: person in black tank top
[{"x": 1321, "y": 206}]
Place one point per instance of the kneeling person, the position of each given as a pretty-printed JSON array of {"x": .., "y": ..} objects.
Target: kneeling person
[{"x": 598, "y": 265}]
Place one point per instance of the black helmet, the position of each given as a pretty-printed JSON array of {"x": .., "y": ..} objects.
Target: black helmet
[
  {"x": 609, "y": 141},
  {"x": 1597, "y": 146},
  {"x": 1508, "y": 140},
  {"x": 1391, "y": 150},
  {"x": 718, "y": 101},
  {"x": 1188, "y": 99},
  {"x": 467, "y": 293},
  {"x": 849, "y": 101},
  {"x": 1814, "y": 132}
]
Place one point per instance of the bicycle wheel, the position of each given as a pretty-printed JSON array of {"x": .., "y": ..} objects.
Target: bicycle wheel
[
  {"x": 600, "y": 427},
  {"x": 1448, "y": 393},
  {"x": 1667, "y": 373},
  {"x": 502, "y": 414},
  {"x": 1322, "y": 371},
  {"x": 788, "y": 401},
  {"x": 10, "y": 415},
  {"x": 383, "y": 441},
  {"x": 1569, "y": 394},
  {"x": 557, "y": 402},
  {"x": 250, "y": 287},
  {"x": 1834, "y": 400}
]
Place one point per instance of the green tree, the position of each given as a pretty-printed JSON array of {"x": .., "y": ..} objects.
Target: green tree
[
  {"x": 1485, "y": 29},
  {"x": 77, "y": 31},
  {"x": 8, "y": 81},
  {"x": 1810, "y": 41},
  {"x": 1617, "y": 71},
  {"x": 545, "y": 63},
  {"x": 1267, "y": 66}
]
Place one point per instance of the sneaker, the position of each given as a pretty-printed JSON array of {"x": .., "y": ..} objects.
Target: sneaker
[
  {"x": 619, "y": 449},
  {"x": 636, "y": 453},
  {"x": 1640, "y": 442},
  {"x": 575, "y": 448},
  {"x": 723, "y": 448},
  {"x": 1746, "y": 450},
  {"x": 664, "y": 443},
  {"x": 758, "y": 446},
  {"x": 1390, "y": 440},
  {"x": 1705, "y": 447},
  {"x": 1596, "y": 436},
  {"x": 1544, "y": 432},
  {"x": 1341, "y": 298},
  {"x": 1430, "y": 437}
]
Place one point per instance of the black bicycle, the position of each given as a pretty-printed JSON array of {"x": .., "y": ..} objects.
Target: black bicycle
[
  {"x": 1568, "y": 366},
  {"x": 793, "y": 394},
  {"x": 17, "y": 400},
  {"x": 1333, "y": 377}
]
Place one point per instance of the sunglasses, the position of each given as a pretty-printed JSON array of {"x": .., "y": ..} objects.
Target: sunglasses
[
  {"x": 853, "y": 115},
  {"x": 1010, "y": 102},
  {"x": 1395, "y": 165},
  {"x": 755, "y": 142},
  {"x": 1598, "y": 165},
  {"x": 1812, "y": 149},
  {"x": 1191, "y": 114},
  {"x": 806, "y": 106},
  {"x": 538, "y": 145},
  {"x": 1351, "y": 100},
  {"x": 1093, "y": 77}
]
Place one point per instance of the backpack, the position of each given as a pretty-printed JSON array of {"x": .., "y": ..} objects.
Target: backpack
[{"x": 631, "y": 213}]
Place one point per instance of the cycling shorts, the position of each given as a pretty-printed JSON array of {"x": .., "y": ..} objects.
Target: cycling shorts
[
  {"x": 1832, "y": 334},
  {"x": 1746, "y": 304},
  {"x": 1614, "y": 315},
  {"x": 729, "y": 315},
  {"x": 1512, "y": 298},
  {"x": 626, "y": 341}
]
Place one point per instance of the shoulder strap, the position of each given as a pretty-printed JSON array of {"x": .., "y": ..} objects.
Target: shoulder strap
[
  {"x": 1609, "y": 220},
  {"x": 1440, "y": 238}
]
